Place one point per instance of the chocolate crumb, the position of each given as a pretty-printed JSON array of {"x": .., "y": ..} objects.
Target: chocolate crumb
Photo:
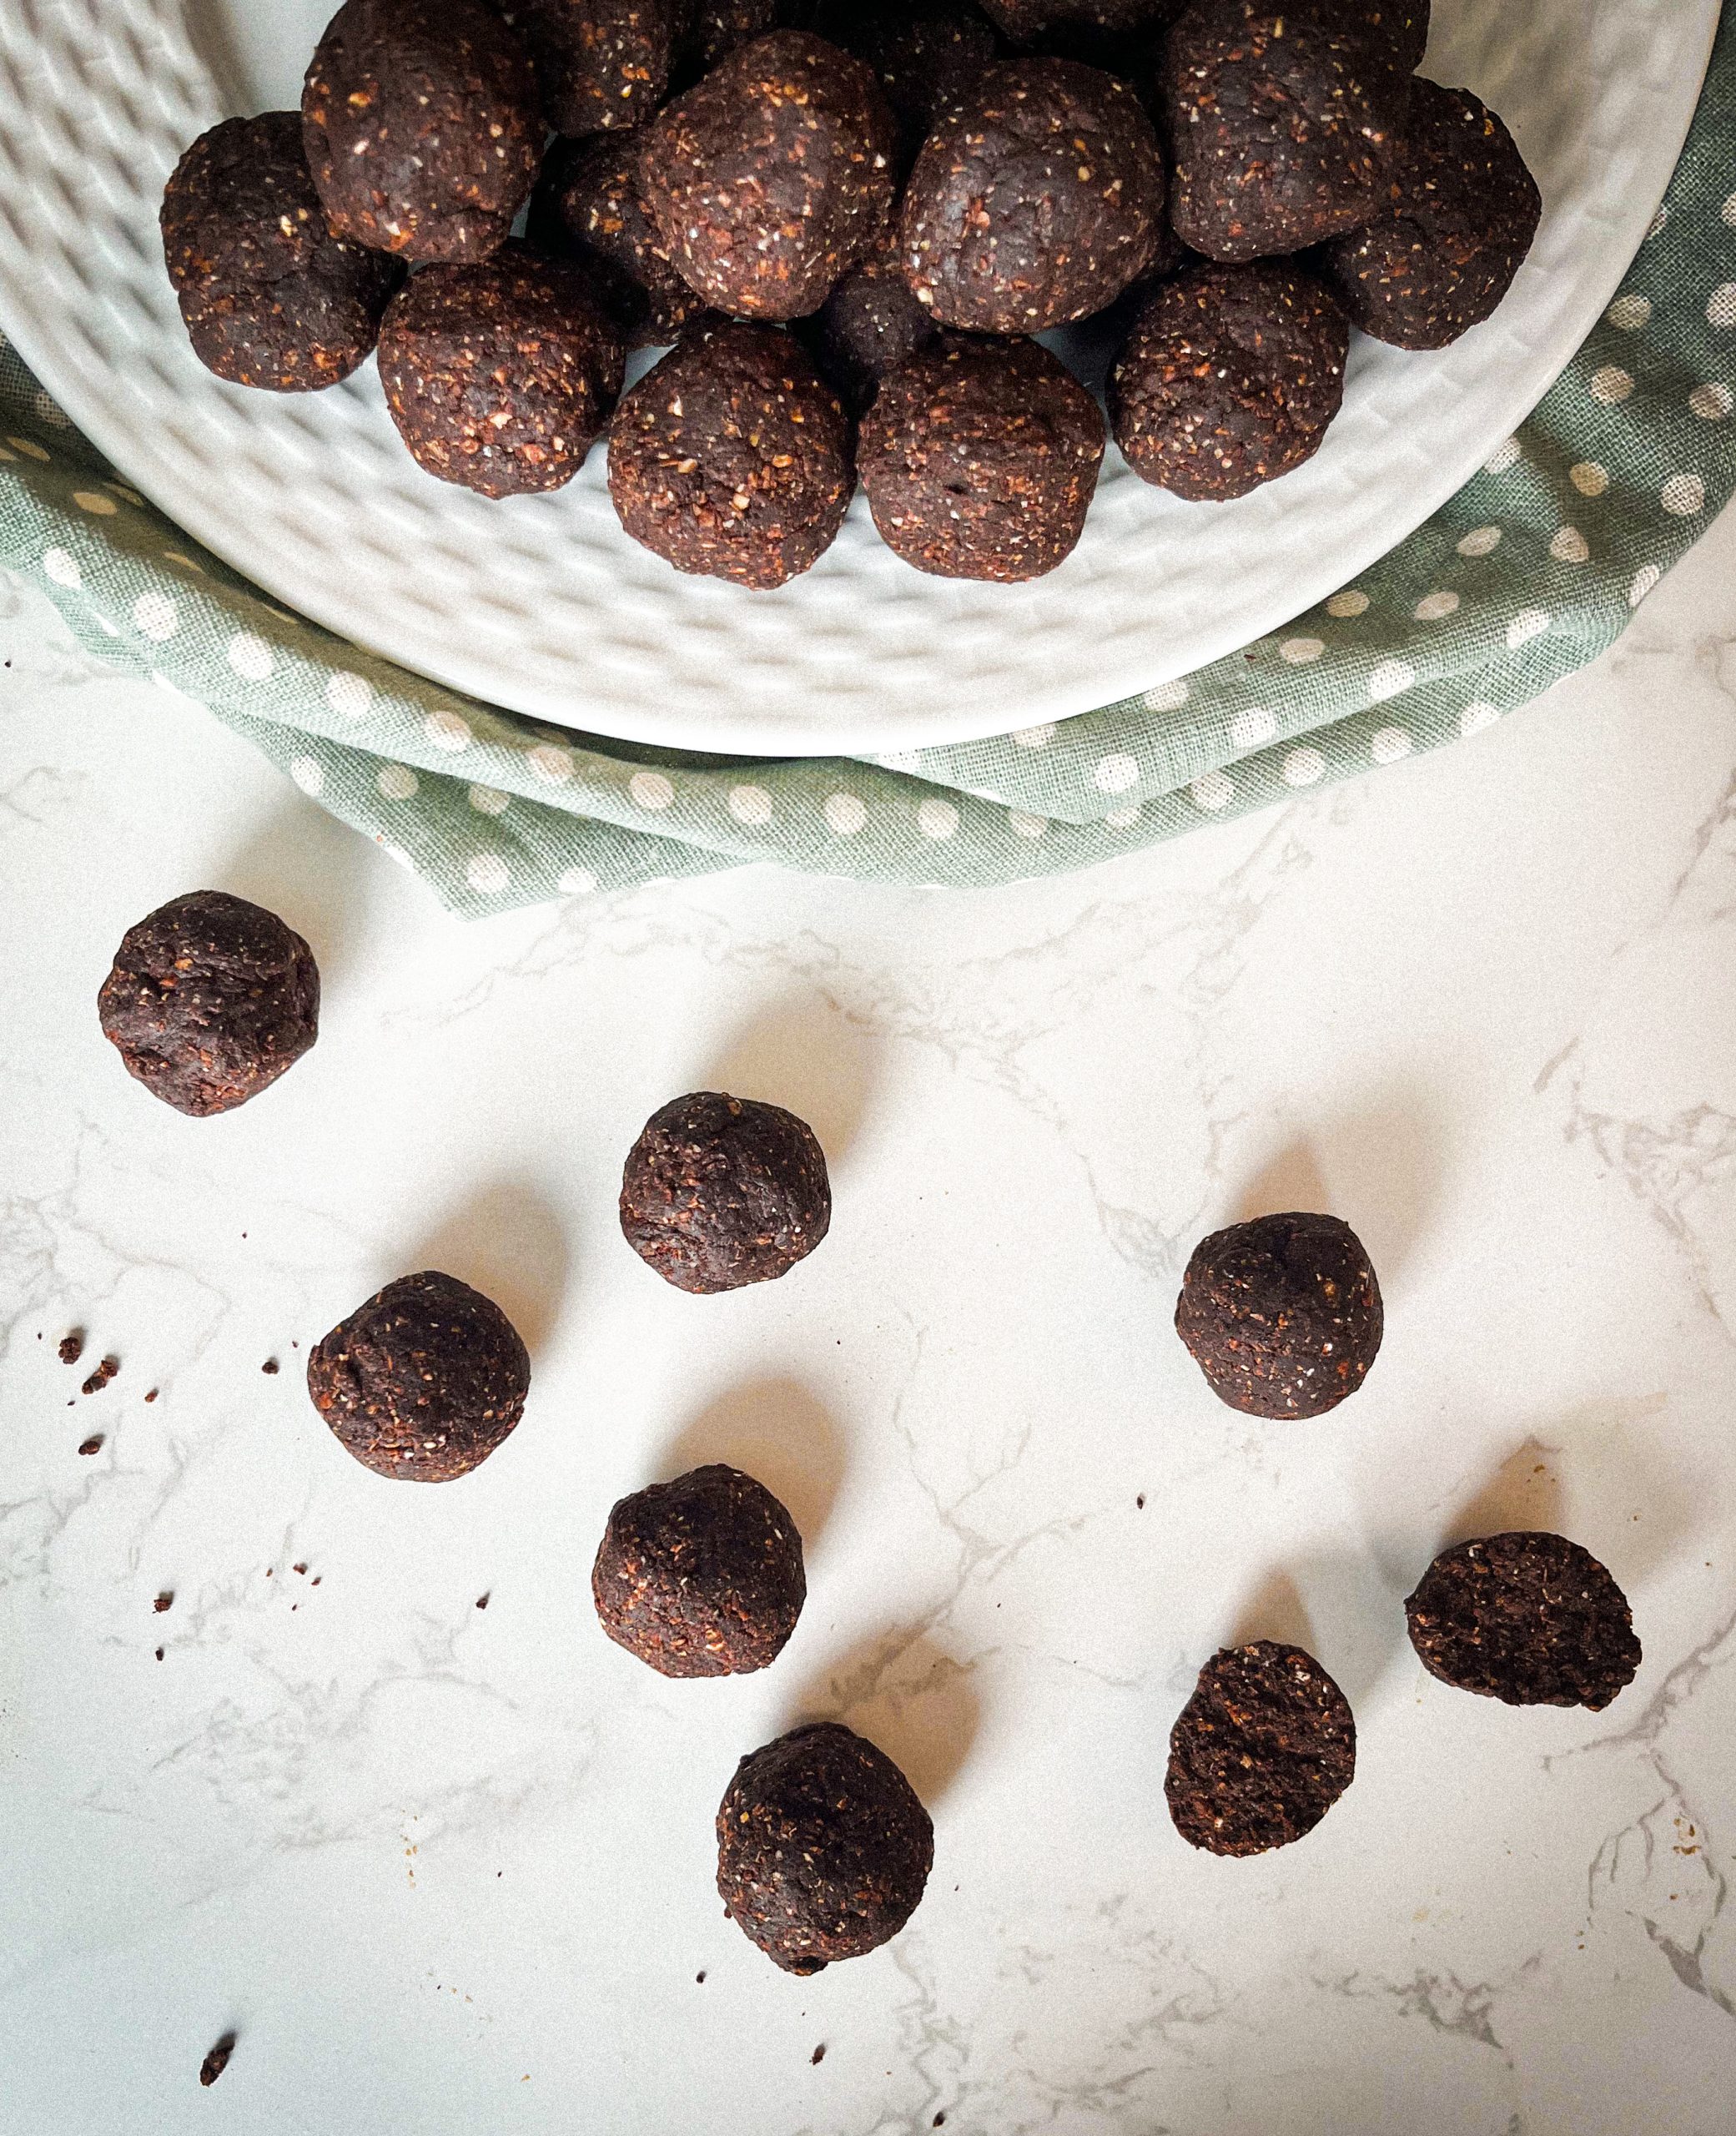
[
  {"x": 218, "y": 2060},
  {"x": 93, "y": 1444},
  {"x": 939, "y": 2122},
  {"x": 163, "y": 1600},
  {"x": 482, "y": 1599},
  {"x": 152, "y": 1396},
  {"x": 270, "y": 1365},
  {"x": 101, "y": 1377},
  {"x": 72, "y": 1346},
  {"x": 819, "y": 2053},
  {"x": 298, "y": 1568},
  {"x": 1141, "y": 1502},
  {"x": 316, "y": 1579},
  {"x": 700, "y": 1978},
  {"x": 159, "y": 1653}
]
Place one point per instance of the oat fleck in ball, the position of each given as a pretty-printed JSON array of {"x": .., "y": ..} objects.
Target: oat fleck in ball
[
  {"x": 824, "y": 1849},
  {"x": 1261, "y": 1752},
  {"x": 423, "y": 1382},
  {"x": 869, "y": 325},
  {"x": 209, "y": 1001},
  {"x": 587, "y": 208},
  {"x": 1528, "y": 1618},
  {"x": 422, "y": 127},
  {"x": 773, "y": 175},
  {"x": 1037, "y": 200},
  {"x": 1282, "y": 1315},
  {"x": 500, "y": 376},
  {"x": 979, "y": 459},
  {"x": 269, "y": 296},
  {"x": 701, "y": 1577},
  {"x": 1462, "y": 211},
  {"x": 719, "y": 1192},
  {"x": 600, "y": 63},
  {"x": 926, "y": 53},
  {"x": 1228, "y": 378},
  {"x": 732, "y": 458}
]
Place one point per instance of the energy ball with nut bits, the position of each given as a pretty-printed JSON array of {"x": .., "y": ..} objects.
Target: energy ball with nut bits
[
  {"x": 720, "y": 1191},
  {"x": 979, "y": 459},
  {"x": 500, "y": 376},
  {"x": 773, "y": 175},
  {"x": 925, "y": 53},
  {"x": 1261, "y": 1752},
  {"x": 423, "y": 1382},
  {"x": 587, "y": 208},
  {"x": 1228, "y": 378},
  {"x": 600, "y": 63},
  {"x": 422, "y": 127},
  {"x": 701, "y": 1577},
  {"x": 732, "y": 458},
  {"x": 269, "y": 296},
  {"x": 824, "y": 1849},
  {"x": 209, "y": 1001},
  {"x": 1282, "y": 1314},
  {"x": 1037, "y": 200},
  {"x": 1525, "y": 1617},
  {"x": 1038, "y": 22},
  {"x": 868, "y": 325}
]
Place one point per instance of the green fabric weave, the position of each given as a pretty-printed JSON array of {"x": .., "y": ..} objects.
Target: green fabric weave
[{"x": 1529, "y": 572}]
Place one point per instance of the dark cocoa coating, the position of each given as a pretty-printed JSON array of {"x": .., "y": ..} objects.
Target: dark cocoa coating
[
  {"x": 824, "y": 1849},
  {"x": 423, "y": 1382},
  {"x": 869, "y": 324},
  {"x": 926, "y": 53},
  {"x": 701, "y": 1577},
  {"x": 1228, "y": 378},
  {"x": 720, "y": 26},
  {"x": 1037, "y": 198},
  {"x": 1032, "y": 22},
  {"x": 270, "y": 297},
  {"x": 979, "y": 459},
  {"x": 1463, "y": 210},
  {"x": 500, "y": 376},
  {"x": 1282, "y": 1315},
  {"x": 1528, "y": 1618},
  {"x": 1261, "y": 1752},
  {"x": 422, "y": 127},
  {"x": 732, "y": 458},
  {"x": 773, "y": 176},
  {"x": 600, "y": 63},
  {"x": 210, "y": 998},
  {"x": 1284, "y": 127},
  {"x": 719, "y": 1192},
  {"x": 587, "y": 208},
  {"x": 1402, "y": 26}
]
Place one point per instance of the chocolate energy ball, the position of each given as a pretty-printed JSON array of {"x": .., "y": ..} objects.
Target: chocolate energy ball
[
  {"x": 1037, "y": 198},
  {"x": 269, "y": 296},
  {"x": 1282, "y": 1315},
  {"x": 1462, "y": 214},
  {"x": 210, "y": 998},
  {"x": 824, "y": 1849},
  {"x": 732, "y": 458},
  {"x": 926, "y": 53},
  {"x": 587, "y": 208},
  {"x": 719, "y": 1192},
  {"x": 1285, "y": 128},
  {"x": 869, "y": 324},
  {"x": 1527, "y": 1618},
  {"x": 701, "y": 1577},
  {"x": 773, "y": 175},
  {"x": 600, "y": 63},
  {"x": 422, "y": 127},
  {"x": 720, "y": 26},
  {"x": 979, "y": 459},
  {"x": 1261, "y": 1752},
  {"x": 1229, "y": 377},
  {"x": 423, "y": 1382},
  {"x": 500, "y": 376}
]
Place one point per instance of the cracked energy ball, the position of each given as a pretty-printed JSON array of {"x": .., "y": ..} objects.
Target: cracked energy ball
[
  {"x": 1261, "y": 1752},
  {"x": 600, "y": 64},
  {"x": 1526, "y": 1617},
  {"x": 210, "y": 998},
  {"x": 423, "y": 1382},
  {"x": 824, "y": 1849},
  {"x": 587, "y": 208},
  {"x": 1282, "y": 1315}
]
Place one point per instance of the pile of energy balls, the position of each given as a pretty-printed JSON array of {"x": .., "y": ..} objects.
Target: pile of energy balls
[
  {"x": 851, "y": 218},
  {"x": 823, "y": 1848}
]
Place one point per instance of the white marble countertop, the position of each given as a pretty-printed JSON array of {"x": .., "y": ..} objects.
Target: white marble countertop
[{"x": 444, "y": 1870}]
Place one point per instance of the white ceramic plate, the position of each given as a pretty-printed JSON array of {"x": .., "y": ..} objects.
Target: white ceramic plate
[{"x": 543, "y": 605}]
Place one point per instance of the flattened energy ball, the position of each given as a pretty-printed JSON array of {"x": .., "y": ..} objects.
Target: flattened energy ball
[
  {"x": 423, "y": 1382},
  {"x": 824, "y": 1849},
  {"x": 587, "y": 208},
  {"x": 773, "y": 175},
  {"x": 1528, "y": 1618},
  {"x": 1037, "y": 198},
  {"x": 1282, "y": 1315},
  {"x": 719, "y": 1192},
  {"x": 1261, "y": 1752},
  {"x": 210, "y": 999},
  {"x": 270, "y": 297},
  {"x": 422, "y": 127},
  {"x": 1463, "y": 211},
  {"x": 869, "y": 325},
  {"x": 979, "y": 459},
  {"x": 926, "y": 53},
  {"x": 732, "y": 458},
  {"x": 600, "y": 63},
  {"x": 500, "y": 376},
  {"x": 1285, "y": 128},
  {"x": 701, "y": 1577},
  {"x": 1228, "y": 378}
]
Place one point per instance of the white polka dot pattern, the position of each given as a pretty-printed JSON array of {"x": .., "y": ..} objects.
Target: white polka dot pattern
[
  {"x": 1683, "y": 495},
  {"x": 845, "y": 814},
  {"x": 1253, "y": 728},
  {"x": 1303, "y": 767},
  {"x": 1213, "y": 791},
  {"x": 750, "y": 805},
  {"x": 251, "y": 657},
  {"x": 1391, "y": 679},
  {"x": 397, "y": 783},
  {"x": 488, "y": 873},
  {"x": 1114, "y": 774}
]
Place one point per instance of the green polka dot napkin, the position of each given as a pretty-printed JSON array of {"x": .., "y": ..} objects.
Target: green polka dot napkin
[{"x": 1524, "y": 576}]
